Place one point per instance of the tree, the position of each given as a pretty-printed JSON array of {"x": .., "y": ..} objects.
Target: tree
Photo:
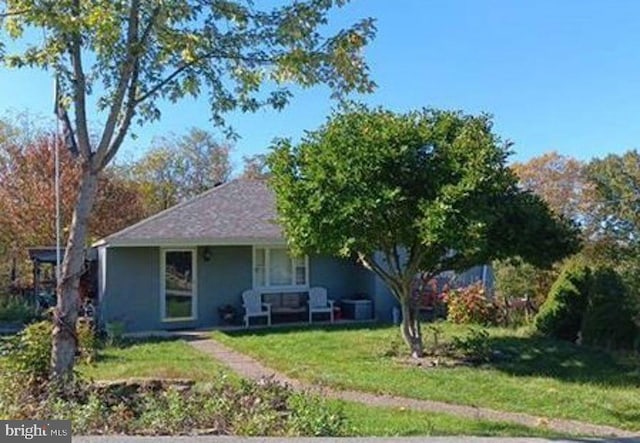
[
  {"x": 423, "y": 192},
  {"x": 178, "y": 168},
  {"x": 561, "y": 182},
  {"x": 27, "y": 194},
  {"x": 255, "y": 167},
  {"x": 616, "y": 182},
  {"x": 131, "y": 55}
]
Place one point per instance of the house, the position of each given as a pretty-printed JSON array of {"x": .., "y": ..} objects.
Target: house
[{"x": 177, "y": 268}]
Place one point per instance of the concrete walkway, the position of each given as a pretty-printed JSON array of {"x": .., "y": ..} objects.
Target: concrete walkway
[{"x": 252, "y": 369}]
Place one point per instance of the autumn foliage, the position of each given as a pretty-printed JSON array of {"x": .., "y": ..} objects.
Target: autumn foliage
[{"x": 27, "y": 198}]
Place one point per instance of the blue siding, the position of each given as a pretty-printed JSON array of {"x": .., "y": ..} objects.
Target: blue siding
[
  {"x": 132, "y": 284},
  {"x": 342, "y": 278},
  {"x": 221, "y": 280},
  {"x": 132, "y": 288}
]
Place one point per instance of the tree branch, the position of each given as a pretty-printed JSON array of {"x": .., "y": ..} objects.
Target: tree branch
[
  {"x": 14, "y": 13},
  {"x": 209, "y": 55},
  {"x": 371, "y": 264},
  {"x": 79, "y": 98},
  {"x": 128, "y": 117},
  {"x": 127, "y": 69}
]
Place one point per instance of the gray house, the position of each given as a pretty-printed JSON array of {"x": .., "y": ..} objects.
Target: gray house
[{"x": 177, "y": 268}]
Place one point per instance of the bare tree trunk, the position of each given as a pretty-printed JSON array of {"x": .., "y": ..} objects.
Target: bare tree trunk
[
  {"x": 410, "y": 327},
  {"x": 66, "y": 311}
]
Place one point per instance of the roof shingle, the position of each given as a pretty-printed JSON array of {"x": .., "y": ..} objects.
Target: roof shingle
[{"x": 240, "y": 210}]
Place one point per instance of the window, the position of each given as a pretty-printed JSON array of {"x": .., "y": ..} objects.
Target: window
[
  {"x": 275, "y": 268},
  {"x": 178, "y": 300}
]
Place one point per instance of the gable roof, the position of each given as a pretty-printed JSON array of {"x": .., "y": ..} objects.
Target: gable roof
[{"x": 241, "y": 211}]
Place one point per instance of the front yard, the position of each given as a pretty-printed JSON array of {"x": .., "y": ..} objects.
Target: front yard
[
  {"x": 153, "y": 359},
  {"x": 534, "y": 375},
  {"x": 177, "y": 359}
]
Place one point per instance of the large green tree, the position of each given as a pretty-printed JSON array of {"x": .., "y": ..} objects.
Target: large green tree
[
  {"x": 128, "y": 56},
  {"x": 405, "y": 193}
]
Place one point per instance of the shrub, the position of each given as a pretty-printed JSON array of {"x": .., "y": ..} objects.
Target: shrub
[
  {"x": 16, "y": 310},
  {"x": 608, "y": 320},
  {"x": 594, "y": 306},
  {"x": 475, "y": 346},
  {"x": 28, "y": 354},
  {"x": 24, "y": 369},
  {"x": 517, "y": 279},
  {"x": 471, "y": 305},
  {"x": 87, "y": 341},
  {"x": 561, "y": 314}
]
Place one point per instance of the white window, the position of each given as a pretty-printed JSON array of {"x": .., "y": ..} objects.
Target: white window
[
  {"x": 274, "y": 267},
  {"x": 178, "y": 284}
]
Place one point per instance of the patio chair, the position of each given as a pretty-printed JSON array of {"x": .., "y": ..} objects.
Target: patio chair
[
  {"x": 253, "y": 307},
  {"x": 319, "y": 303}
]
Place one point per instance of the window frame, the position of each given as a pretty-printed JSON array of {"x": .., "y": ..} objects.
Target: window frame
[
  {"x": 163, "y": 284},
  {"x": 267, "y": 262}
]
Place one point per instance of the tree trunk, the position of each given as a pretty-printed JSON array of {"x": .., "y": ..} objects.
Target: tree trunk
[
  {"x": 410, "y": 327},
  {"x": 66, "y": 311}
]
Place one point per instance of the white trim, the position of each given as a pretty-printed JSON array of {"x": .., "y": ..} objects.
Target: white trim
[
  {"x": 102, "y": 273},
  {"x": 194, "y": 282},
  {"x": 279, "y": 288}
]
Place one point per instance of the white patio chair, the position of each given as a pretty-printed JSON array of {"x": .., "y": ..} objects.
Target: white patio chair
[
  {"x": 253, "y": 307},
  {"x": 319, "y": 303}
]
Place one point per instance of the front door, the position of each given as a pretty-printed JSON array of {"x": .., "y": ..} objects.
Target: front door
[{"x": 178, "y": 285}]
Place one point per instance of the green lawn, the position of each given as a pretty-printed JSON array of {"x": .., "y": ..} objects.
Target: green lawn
[
  {"x": 176, "y": 359},
  {"x": 536, "y": 376},
  {"x": 384, "y": 422},
  {"x": 157, "y": 358}
]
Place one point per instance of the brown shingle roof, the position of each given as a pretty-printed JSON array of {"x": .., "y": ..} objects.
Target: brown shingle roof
[{"x": 240, "y": 211}]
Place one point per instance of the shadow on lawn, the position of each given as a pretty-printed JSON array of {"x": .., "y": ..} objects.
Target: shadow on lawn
[{"x": 534, "y": 356}]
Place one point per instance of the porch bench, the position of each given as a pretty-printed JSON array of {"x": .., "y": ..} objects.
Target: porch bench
[{"x": 286, "y": 303}]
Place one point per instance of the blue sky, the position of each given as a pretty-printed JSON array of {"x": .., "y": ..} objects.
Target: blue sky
[{"x": 556, "y": 75}]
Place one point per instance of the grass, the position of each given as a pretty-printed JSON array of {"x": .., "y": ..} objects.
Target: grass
[
  {"x": 537, "y": 376},
  {"x": 387, "y": 422},
  {"x": 155, "y": 358},
  {"x": 176, "y": 359}
]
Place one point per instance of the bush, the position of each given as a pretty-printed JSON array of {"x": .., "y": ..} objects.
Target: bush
[
  {"x": 593, "y": 306},
  {"x": 471, "y": 305},
  {"x": 28, "y": 354},
  {"x": 561, "y": 314},
  {"x": 608, "y": 320},
  {"x": 16, "y": 310},
  {"x": 87, "y": 341},
  {"x": 515, "y": 279},
  {"x": 475, "y": 347}
]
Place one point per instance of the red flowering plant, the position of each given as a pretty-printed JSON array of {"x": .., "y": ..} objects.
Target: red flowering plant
[{"x": 470, "y": 304}]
